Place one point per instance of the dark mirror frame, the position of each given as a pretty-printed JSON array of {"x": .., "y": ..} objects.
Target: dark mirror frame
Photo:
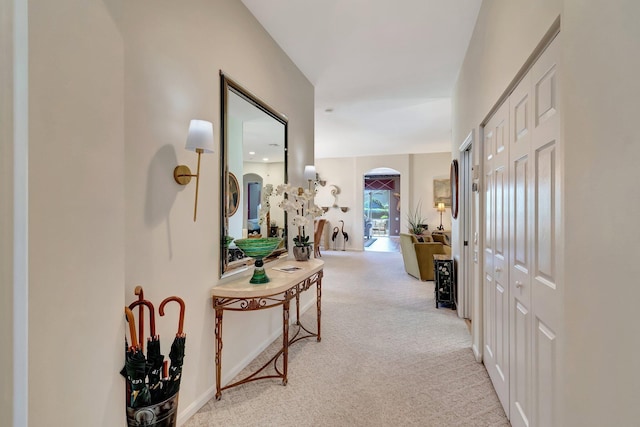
[
  {"x": 228, "y": 85},
  {"x": 453, "y": 177}
]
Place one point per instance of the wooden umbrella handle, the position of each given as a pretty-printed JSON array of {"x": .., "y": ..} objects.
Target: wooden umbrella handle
[
  {"x": 152, "y": 316},
  {"x": 132, "y": 326},
  {"x": 140, "y": 292},
  {"x": 179, "y": 301}
]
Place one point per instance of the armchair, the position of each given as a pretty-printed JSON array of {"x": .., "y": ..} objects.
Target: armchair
[{"x": 418, "y": 256}]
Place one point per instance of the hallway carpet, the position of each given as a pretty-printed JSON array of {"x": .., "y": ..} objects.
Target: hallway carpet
[{"x": 388, "y": 357}]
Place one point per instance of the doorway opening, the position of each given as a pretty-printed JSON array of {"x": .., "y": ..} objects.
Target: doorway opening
[
  {"x": 251, "y": 197},
  {"x": 376, "y": 208},
  {"x": 468, "y": 249},
  {"x": 381, "y": 208}
]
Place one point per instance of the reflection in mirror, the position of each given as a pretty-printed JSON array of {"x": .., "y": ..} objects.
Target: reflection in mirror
[{"x": 253, "y": 147}]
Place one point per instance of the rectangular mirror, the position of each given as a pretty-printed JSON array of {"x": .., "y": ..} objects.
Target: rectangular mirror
[{"x": 253, "y": 153}]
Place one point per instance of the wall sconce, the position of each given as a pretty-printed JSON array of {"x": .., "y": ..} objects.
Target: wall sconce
[
  {"x": 310, "y": 174},
  {"x": 440, "y": 209},
  {"x": 200, "y": 140}
]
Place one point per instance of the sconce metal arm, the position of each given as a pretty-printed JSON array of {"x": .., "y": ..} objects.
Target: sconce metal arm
[{"x": 182, "y": 175}]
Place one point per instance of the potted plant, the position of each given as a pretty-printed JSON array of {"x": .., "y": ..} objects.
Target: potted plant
[
  {"x": 417, "y": 224},
  {"x": 298, "y": 203}
]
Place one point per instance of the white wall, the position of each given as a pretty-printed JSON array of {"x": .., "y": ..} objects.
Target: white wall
[
  {"x": 76, "y": 213},
  {"x": 602, "y": 150},
  {"x": 424, "y": 169},
  {"x": 6, "y": 207},
  {"x": 112, "y": 87},
  {"x": 417, "y": 172},
  {"x": 174, "y": 51},
  {"x": 599, "y": 94}
]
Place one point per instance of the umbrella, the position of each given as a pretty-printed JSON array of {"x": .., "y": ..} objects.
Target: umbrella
[
  {"x": 135, "y": 368},
  {"x": 172, "y": 383},
  {"x": 154, "y": 358}
]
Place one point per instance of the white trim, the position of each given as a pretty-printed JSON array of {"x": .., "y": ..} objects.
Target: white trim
[
  {"x": 20, "y": 214},
  {"x": 466, "y": 144},
  {"x": 477, "y": 353},
  {"x": 465, "y": 265},
  {"x": 477, "y": 310}
]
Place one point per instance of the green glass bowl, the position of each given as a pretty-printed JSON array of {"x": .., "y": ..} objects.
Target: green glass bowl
[{"x": 258, "y": 248}]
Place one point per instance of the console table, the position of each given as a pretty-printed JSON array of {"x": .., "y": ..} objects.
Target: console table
[{"x": 240, "y": 295}]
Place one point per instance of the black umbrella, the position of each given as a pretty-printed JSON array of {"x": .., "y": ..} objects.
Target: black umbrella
[
  {"x": 135, "y": 369},
  {"x": 154, "y": 358},
  {"x": 172, "y": 383},
  {"x": 154, "y": 365}
]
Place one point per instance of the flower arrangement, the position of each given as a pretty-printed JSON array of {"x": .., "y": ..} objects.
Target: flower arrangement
[{"x": 298, "y": 203}]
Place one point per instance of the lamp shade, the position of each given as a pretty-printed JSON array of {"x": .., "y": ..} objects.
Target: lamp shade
[
  {"x": 440, "y": 207},
  {"x": 309, "y": 172},
  {"x": 200, "y": 136}
]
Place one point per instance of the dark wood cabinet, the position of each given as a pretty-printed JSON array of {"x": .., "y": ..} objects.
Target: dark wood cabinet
[{"x": 445, "y": 280}]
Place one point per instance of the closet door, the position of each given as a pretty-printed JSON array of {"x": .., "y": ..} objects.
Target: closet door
[
  {"x": 496, "y": 291},
  {"x": 547, "y": 292},
  {"x": 534, "y": 259},
  {"x": 521, "y": 212}
]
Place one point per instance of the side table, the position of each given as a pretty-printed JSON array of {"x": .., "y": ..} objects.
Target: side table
[
  {"x": 241, "y": 296},
  {"x": 445, "y": 280}
]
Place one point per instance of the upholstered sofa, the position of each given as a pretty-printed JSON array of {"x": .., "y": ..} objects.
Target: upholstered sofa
[{"x": 418, "y": 256}]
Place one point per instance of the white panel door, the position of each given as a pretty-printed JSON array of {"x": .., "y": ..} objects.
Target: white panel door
[
  {"x": 535, "y": 302},
  {"x": 547, "y": 293},
  {"x": 496, "y": 274},
  {"x": 520, "y": 254}
]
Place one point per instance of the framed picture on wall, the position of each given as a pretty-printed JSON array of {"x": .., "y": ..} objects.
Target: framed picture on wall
[
  {"x": 442, "y": 192},
  {"x": 233, "y": 193}
]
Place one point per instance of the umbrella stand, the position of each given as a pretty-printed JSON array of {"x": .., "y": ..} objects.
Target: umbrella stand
[{"x": 152, "y": 402}]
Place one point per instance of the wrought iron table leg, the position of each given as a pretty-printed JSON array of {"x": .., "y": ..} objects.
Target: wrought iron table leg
[
  {"x": 285, "y": 340},
  {"x": 218, "y": 330},
  {"x": 298, "y": 308},
  {"x": 319, "y": 305}
]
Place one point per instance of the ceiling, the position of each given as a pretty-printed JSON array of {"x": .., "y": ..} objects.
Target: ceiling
[{"x": 383, "y": 70}]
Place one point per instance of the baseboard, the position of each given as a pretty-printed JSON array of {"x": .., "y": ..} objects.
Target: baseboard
[
  {"x": 468, "y": 322},
  {"x": 476, "y": 353},
  {"x": 191, "y": 410}
]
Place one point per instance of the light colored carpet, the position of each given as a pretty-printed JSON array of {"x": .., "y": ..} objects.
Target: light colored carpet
[{"x": 388, "y": 357}]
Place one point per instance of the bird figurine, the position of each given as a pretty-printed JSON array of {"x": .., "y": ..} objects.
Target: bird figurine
[
  {"x": 333, "y": 236},
  {"x": 345, "y": 236}
]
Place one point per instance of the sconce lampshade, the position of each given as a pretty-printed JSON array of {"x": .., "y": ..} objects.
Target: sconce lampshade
[
  {"x": 200, "y": 136},
  {"x": 309, "y": 172}
]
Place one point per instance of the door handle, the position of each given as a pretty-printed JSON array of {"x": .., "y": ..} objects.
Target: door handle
[
  {"x": 519, "y": 284},
  {"x": 498, "y": 269}
]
